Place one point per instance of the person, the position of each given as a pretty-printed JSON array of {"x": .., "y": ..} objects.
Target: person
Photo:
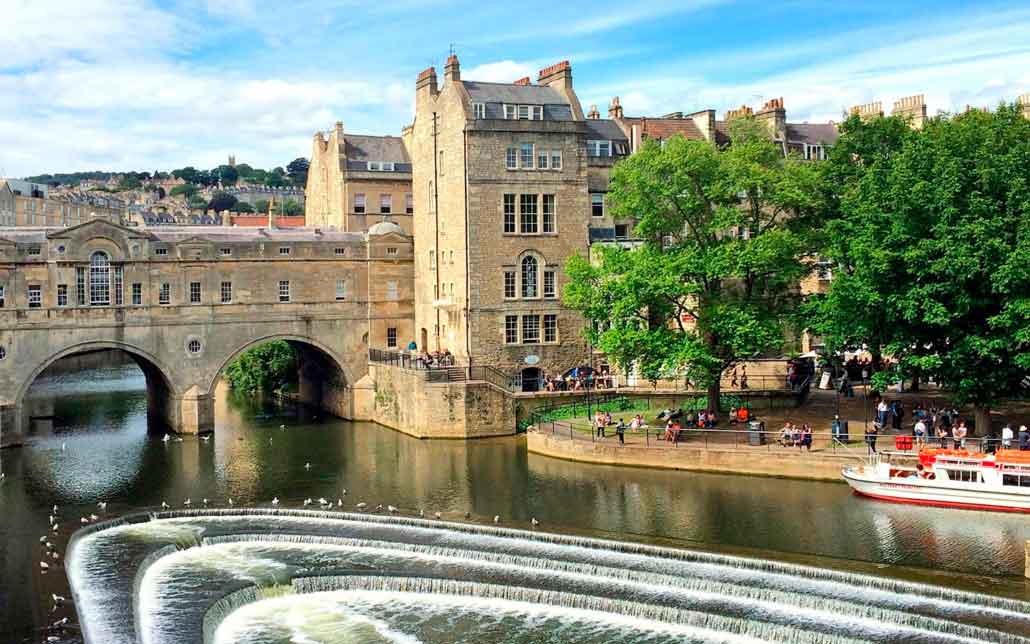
[
  {"x": 1024, "y": 438},
  {"x": 734, "y": 379},
  {"x": 412, "y": 347},
  {"x": 599, "y": 424},
  {"x": 919, "y": 431},
  {"x": 845, "y": 386},
  {"x": 634, "y": 424},
  {"x": 870, "y": 437},
  {"x": 959, "y": 434},
  {"x": 733, "y": 415},
  {"x": 806, "y": 437},
  {"x": 743, "y": 415},
  {"x": 897, "y": 414},
  {"x": 881, "y": 412},
  {"x": 743, "y": 377},
  {"x": 942, "y": 435},
  {"x": 607, "y": 418},
  {"x": 787, "y": 435},
  {"x": 672, "y": 430},
  {"x": 711, "y": 420},
  {"x": 1006, "y": 436},
  {"x": 620, "y": 431},
  {"x": 702, "y": 419}
]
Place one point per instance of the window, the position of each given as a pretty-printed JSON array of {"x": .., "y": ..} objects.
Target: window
[
  {"x": 164, "y": 296},
  {"x": 373, "y": 166},
  {"x": 35, "y": 296},
  {"x": 549, "y": 290},
  {"x": 80, "y": 286},
  {"x": 511, "y": 329},
  {"x": 599, "y": 148},
  {"x": 284, "y": 290},
  {"x": 391, "y": 338},
  {"x": 99, "y": 279},
  {"x": 284, "y": 250},
  {"x": 529, "y": 277},
  {"x": 225, "y": 251},
  {"x": 479, "y": 110},
  {"x": 509, "y": 285},
  {"x": 409, "y": 203},
  {"x": 137, "y": 294},
  {"x": 194, "y": 292},
  {"x": 385, "y": 204},
  {"x": 964, "y": 475},
  {"x": 160, "y": 251},
  {"x": 359, "y": 204},
  {"x": 526, "y": 158},
  {"x": 527, "y": 207},
  {"x": 509, "y": 112},
  {"x": 341, "y": 290},
  {"x": 432, "y": 260},
  {"x": 225, "y": 291},
  {"x": 387, "y": 166},
  {"x": 512, "y": 159},
  {"x": 524, "y": 112},
  {"x": 541, "y": 159},
  {"x": 509, "y": 213},
  {"x": 194, "y": 346},
  {"x": 556, "y": 159},
  {"x": 3, "y": 352},
  {"x": 550, "y": 328},
  {"x": 3, "y": 296},
  {"x": 391, "y": 251},
  {"x": 119, "y": 276},
  {"x": 62, "y": 295},
  {"x": 391, "y": 290},
  {"x": 530, "y": 329},
  {"x": 339, "y": 252},
  {"x": 597, "y": 204},
  {"x": 621, "y": 231},
  {"x": 34, "y": 250},
  {"x": 548, "y": 220}
]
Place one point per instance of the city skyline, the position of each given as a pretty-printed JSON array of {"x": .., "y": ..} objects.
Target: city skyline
[{"x": 139, "y": 85}]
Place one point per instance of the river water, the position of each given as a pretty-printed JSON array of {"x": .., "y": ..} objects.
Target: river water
[{"x": 98, "y": 448}]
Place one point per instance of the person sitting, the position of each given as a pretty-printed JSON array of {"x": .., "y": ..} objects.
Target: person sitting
[
  {"x": 691, "y": 419},
  {"x": 710, "y": 420},
  {"x": 806, "y": 437},
  {"x": 795, "y": 434},
  {"x": 733, "y": 415},
  {"x": 743, "y": 415},
  {"x": 672, "y": 430},
  {"x": 787, "y": 435},
  {"x": 702, "y": 419}
]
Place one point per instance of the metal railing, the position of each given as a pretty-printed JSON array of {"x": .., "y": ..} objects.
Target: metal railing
[
  {"x": 442, "y": 373},
  {"x": 407, "y": 360}
]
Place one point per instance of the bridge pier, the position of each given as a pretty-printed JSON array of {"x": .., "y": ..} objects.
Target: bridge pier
[{"x": 12, "y": 424}]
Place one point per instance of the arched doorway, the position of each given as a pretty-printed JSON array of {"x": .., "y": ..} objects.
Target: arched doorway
[{"x": 531, "y": 379}]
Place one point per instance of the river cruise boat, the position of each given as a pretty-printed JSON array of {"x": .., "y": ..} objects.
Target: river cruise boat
[{"x": 954, "y": 478}]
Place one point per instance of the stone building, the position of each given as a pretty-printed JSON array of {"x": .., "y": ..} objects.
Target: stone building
[
  {"x": 502, "y": 179},
  {"x": 35, "y": 205},
  {"x": 356, "y": 181}
]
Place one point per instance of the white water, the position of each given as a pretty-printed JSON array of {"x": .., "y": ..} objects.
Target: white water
[{"x": 357, "y": 575}]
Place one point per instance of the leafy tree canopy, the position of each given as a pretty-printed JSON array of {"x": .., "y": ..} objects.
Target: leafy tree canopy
[
  {"x": 268, "y": 367},
  {"x": 221, "y": 201}
]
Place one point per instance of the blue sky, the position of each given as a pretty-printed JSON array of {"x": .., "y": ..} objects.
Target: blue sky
[{"x": 144, "y": 84}]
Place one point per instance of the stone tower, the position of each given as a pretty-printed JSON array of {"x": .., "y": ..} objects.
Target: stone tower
[
  {"x": 1024, "y": 104},
  {"x": 912, "y": 109}
]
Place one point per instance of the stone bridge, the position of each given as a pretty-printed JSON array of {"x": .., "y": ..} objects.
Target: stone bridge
[{"x": 184, "y": 302}]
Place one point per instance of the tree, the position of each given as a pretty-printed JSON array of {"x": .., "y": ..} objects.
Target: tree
[
  {"x": 261, "y": 205},
  {"x": 715, "y": 281},
  {"x": 187, "y": 174},
  {"x": 227, "y": 175},
  {"x": 940, "y": 241},
  {"x": 129, "y": 182},
  {"x": 242, "y": 206},
  {"x": 267, "y": 367},
  {"x": 292, "y": 208},
  {"x": 197, "y": 202},
  {"x": 221, "y": 201},
  {"x": 298, "y": 171},
  {"x": 185, "y": 189},
  {"x": 245, "y": 171}
]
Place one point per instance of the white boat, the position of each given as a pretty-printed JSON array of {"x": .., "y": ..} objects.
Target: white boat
[{"x": 954, "y": 478}]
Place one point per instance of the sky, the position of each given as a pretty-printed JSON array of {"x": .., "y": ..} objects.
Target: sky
[{"x": 160, "y": 84}]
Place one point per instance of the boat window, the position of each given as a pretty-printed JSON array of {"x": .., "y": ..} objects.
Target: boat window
[
  {"x": 1020, "y": 480},
  {"x": 963, "y": 475}
]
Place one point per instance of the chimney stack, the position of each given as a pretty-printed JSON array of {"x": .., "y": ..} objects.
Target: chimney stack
[
  {"x": 742, "y": 112},
  {"x": 522, "y": 81},
  {"x": 557, "y": 75},
  {"x": 615, "y": 110},
  {"x": 452, "y": 71},
  {"x": 774, "y": 115},
  {"x": 868, "y": 111},
  {"x": 1024, "y": 105},
  {"x": 593, "y": 113},
  {"x": 912, "y": 109},
  {"x": 426, "y": 81}
]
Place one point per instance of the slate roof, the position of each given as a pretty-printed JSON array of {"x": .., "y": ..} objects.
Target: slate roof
[
  {"x": 495, "y": 95},
  {"x": 215, "y": 234},
  {"x": 818, "y": 133},
  {"x": 667, "y": 128},
  {"x": 361, "y": 147},
  {"x": 604, "y": 130}
]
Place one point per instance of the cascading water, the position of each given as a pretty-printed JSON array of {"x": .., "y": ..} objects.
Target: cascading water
[{"x": 267, "y": 576}]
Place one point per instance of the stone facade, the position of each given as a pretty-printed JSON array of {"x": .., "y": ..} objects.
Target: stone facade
[
  {"x": 183, "y": 302},
  {"x": 32, "y": 210},
  {"x": 357, "y": 181}
]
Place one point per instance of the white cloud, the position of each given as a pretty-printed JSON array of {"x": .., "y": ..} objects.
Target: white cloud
[{"x": 504, "y": 71}]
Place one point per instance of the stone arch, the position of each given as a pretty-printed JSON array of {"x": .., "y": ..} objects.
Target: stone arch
[{"x": 294, "y": 339}]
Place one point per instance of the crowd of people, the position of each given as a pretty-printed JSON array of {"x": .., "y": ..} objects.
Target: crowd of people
[
  {"x": 435, "y": 359},
  {"x": 578, "y": 380},
  {"x": 793, "y": 436}
]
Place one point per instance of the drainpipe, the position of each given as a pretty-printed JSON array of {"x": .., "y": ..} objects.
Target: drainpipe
[{"x": 436, "y": 220}]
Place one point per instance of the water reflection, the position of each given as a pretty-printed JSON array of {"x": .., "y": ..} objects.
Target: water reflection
[{"x": 97, "y": 447}]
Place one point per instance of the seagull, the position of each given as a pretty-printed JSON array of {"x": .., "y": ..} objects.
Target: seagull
[
  {"x": 534, "y": 522},
  {"x": 51, "y": 517},
  {"x": 421, "y": 513},
  {"x": 55, "y": 528},
  {"x": 345, "y": 491},
  {"x": 178, "y": 439},
  {"x": 93, "y": 517},
  {"x": 164, "y": 506},
  {"x": 44, "y": 566},
  {"x": 275, "y": 501},
  {"x": 55, "y": 556},
  {"x": 53, "y": 510},
  {"x": 58, "y": 599},
  {"x": 230, "y": 501},
  {"x": 379, "y": 508},
  {"x": 49, "y": 546},
  {"x": 392, "y": 509},
  {"x": 204, "y": 501},
  {"x": 43, "y": 539},
  {"x": 437, "y": 515},
  {"x": 102, "y": 505},
  {"x": 468, "y": 515},
  {"x": 205, "y": 437},
  {"x": 497, "y": 518},
  {"x": 339, "y": 503},
  {"x": 187, "y": 503},
  {"x": 61, "y": 622},
  {"x": 63, "y": 446},
  {"x": 307, "y": 466},
  {"x": 322, "y": 501},
  {"x": 307, "y": 502},
  {"x": 282, "y": 426},
  {"x": 166, "y": 438},
  {"x": 362, "y": 506}
]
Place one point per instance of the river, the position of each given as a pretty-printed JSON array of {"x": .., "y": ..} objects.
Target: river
[{"x": 99, "y": 449}]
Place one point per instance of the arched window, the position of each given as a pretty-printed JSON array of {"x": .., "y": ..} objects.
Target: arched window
[
  {"x": 529, "y": 277},
  {"x": 99, "y": 279}
]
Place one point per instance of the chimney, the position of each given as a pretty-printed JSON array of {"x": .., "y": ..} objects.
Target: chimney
[
  {"x": 868, "y": 111},
  {"x": 742, "y": 112},
  {"x": 912, "y": 109},
  {"x": 1024, "y": 105},
  {"x": 557, "y": 75},
  {"x": 774, "y": 115},
  {"x": 593, "y": 113},
  {"x": 522, "y": 81},
  {"x": 339, "y": 131},
  {"x": 615, "y": 110},
  {"x": 452, "y": 71},
  {"x": 426, "y": 81}
]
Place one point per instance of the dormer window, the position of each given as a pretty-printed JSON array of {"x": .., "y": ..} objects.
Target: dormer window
[
  {"x": 479, "y": 110},
  {"x": 524, "y": 112},
  {"x": 599, "y": 148},
  {"x": 380, "y": 166}
]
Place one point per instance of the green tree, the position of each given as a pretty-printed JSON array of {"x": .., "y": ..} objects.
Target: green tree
[
  {"x": 197, "y": 202},
  {"x": 267, "y": 367},
  {"x": 298, "y": 171},
  {"x": 292, "y": 208},
  {"x": 186, "y": 189},
  {"x": 242, "y": 206},
  {"x": 937, "y": 238},
  {"x": 226, "y": 174},
  {"x": 221, "y": 201},
  {"x": 129, "y": 182},
  {"x": 715, "y": 280},
  {"x": 261, "y": 205}
]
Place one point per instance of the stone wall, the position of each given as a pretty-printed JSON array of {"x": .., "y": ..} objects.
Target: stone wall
[{"x": 402, "y": 399}]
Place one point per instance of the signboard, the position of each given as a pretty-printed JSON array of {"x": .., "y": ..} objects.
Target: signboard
[{"x": 532, "y": 360}]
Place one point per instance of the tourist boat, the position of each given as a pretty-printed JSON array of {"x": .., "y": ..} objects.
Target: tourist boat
[{"x": 954, "y": 478}]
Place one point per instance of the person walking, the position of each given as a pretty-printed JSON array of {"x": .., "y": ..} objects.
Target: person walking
[
  {"x": 1006, "y": 436},
  {"x": 620, "y": 431},
  {"x": 870, "y": 437}
]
